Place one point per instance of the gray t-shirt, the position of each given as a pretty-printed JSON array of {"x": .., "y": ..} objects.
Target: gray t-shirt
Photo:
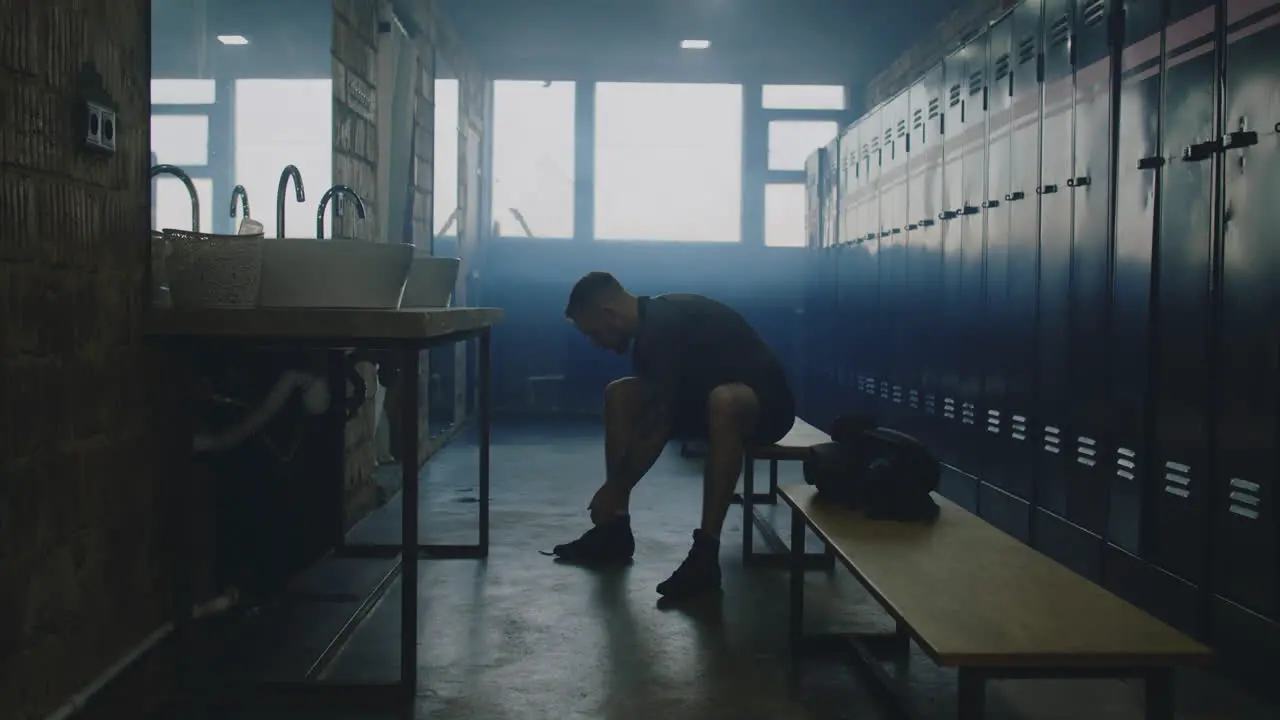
[{"x": 690, "y": 344}]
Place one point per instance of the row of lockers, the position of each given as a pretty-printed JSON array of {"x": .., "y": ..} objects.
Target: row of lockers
[{"x": 1052, "y": 259}]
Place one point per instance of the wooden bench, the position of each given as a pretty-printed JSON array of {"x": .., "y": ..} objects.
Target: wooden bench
[
  {"x": 981, "y": 601},
  {"x": 794, "y": 446}
]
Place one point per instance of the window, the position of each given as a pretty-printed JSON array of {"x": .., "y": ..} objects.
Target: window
[
  {"x": 180, "y": 139},
  {"x": 280, "y": 123},
  {"x": 791, "y": 142},
  {"x": 802, "y": 97},
  {"x": 668, "y": 162},
  {"x": 445, "y": 186},
  {"x": 173, "y": 204},
  {"x": 533, "y": 177},
  {"x": 183, "y": 92},
  {"x": 784, "y": 215}
]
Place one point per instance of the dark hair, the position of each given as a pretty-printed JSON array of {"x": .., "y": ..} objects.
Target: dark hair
[{"x": 594, "y": 288}]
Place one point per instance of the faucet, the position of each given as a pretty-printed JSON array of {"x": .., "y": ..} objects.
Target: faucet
[
  {"x": 179, "y": 173},
  {"x": 290, "y": 171},
  {"x": 239, "y": 193},
  {"x": 342, "y": 191}
]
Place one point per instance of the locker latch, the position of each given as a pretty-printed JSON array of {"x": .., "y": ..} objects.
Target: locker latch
[
  {"x": 1014, "y": 196},
  {"x": 896, "y": 231},
  {"x": 869, "y": 236},
  {"x": 990, "y": 203},
  {"x": 1078, "y": 182},
  {"x": 927, "y": 222},
  {"x": 1151, "y": 163},
  {"x": 946, "y": 215},
  {"x": 912, "y": 226},
  {"x": 1201, "y": 151},
  {"x": 1046, "y": 189},
  {"x": 968, "y": 210},
  {"x": 1239, "y": 139},
  {"x": 885, "y": 233}
]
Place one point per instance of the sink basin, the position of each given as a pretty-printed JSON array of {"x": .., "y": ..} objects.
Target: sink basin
[
  {"x": 431, "y": 282},
  {"x": 311, "y": 273}
]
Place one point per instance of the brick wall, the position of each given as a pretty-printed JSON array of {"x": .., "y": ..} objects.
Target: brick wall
[
  {"x": 355, "y": 113},
  {"x": 933, "y": 47},
  {"x": 88, "y": 435}
]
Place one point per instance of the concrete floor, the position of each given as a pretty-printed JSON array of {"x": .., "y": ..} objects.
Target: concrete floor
[{"x": 519, "y": 637}]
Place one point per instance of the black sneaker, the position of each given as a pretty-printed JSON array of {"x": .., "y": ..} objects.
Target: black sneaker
[
  {"x": 611, "y": 544},
  {"x": 698, "y": 574}
]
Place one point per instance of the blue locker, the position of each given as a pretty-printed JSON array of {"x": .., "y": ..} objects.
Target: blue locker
[
  {"x": 951, "y": 333},
  {"x": 913, "y": 307},
  {"x": 850, "y": 187},
  {"x": 865, "y": 326},
  {"x": 926, "y": 265},
  {"x": 891, "y": 264}
]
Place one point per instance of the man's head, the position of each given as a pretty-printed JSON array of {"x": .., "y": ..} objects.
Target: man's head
[{"x": 604, "y": 311}]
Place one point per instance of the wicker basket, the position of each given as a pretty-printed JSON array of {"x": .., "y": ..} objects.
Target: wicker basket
[{"x": 213, "y": 271}]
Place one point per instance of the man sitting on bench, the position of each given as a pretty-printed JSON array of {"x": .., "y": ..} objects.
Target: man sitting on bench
[{"x": 702, "y": 373}]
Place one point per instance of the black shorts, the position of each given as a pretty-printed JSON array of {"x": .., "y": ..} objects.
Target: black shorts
[{"x": 777, "y": 414}]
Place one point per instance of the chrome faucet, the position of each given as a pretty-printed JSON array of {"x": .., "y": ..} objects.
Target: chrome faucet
[
  {"x": 290, "y": 171},
  {"x": 341, "y": 191},
  {"x": 179, "y": 173},
  {"x": 239, "y": 193}
]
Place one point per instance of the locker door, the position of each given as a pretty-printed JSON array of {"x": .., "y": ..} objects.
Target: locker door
[
  {"x": 809, "y": 384},
  {"x": 868, "y": 264},
  {"x": 971, "y": 351},
  {"x": 1179, "y": 492},
  {"x": 833, "y": 341},
  {"x": 927, "y": 272},
  {"x": 995, "y": 326},
  {"x": 913, "y": 309},
  {"x": 877, "y": 368},
  {"x": 850, "y": 186},
  {"x": 1245, "y": 469},
  {"x": 1090, "y": 186},
  {"x": 892, "y": 261},
  {"x": 813, "y": 166},
  {"x": 1024, "y": 243},
  {"x": 950, "y": 330},
  {"x": 1136, "y": 193},
  {"x": 1052, "y": 391}
]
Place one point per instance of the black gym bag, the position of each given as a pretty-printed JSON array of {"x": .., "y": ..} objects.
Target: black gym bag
[{"x": 884, "y": 473}]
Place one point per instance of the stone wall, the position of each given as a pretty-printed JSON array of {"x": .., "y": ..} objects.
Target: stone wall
[
  {"x": 88, "y": 433},
  {"x": 355, "y": 63}
]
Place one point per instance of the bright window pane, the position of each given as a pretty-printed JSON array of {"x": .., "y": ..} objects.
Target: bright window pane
[
  {"x": 802, "y": 97},
  {"x": 180, "y": 139},
  {"x": 791, "y": 142},
  {"x": 445, "y": 187},
  {"x": 784, "y": 205},
  {"x": 533, "y": 131},
  {"x": 173, "y": 204},
  {"x": 183, "y": 92},
  {"x": 280, "y": 123},
  {"x": 668, "y": 162}
]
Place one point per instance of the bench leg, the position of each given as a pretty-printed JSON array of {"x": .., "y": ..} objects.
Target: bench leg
[
  {"x": 773, "y": 482},
  {"x": 971, "y": 699},
  {"x": 777, "y": 555},
  {"x": 796, "y": 613},
  {"x": 1159, "y": 694},
  {"x": 748, "y": 511}
]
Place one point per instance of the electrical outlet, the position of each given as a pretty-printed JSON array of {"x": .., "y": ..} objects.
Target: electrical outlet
[{"x": 100, "y": 128}]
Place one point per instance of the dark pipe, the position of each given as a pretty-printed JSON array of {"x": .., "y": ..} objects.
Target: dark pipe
[
  {"x": 179, "y": 173},
  {"x": 238, "y": 192},
  {"x": 342, "y": 191},
  {"x": 290, "y": 171}
]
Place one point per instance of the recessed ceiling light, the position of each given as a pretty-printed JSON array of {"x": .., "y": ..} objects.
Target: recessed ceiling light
[
  {"x": 695, "y": 44},
  {"x": 233, "y": 40}
]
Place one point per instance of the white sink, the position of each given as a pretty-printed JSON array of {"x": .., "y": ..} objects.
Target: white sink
[
  {"x": 431, "y": 282},
  {"x": 299, "y": 272}
]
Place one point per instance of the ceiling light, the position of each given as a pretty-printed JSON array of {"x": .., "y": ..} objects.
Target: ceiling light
[
  {"x": 233, "y": 40},
  {"x": 695, "y": 44}
]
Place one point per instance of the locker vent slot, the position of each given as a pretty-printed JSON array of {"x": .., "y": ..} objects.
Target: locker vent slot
[
  {"x": 931, "y": 404},
  {"x": 949, "y": 408},
  {"x": 888, "y": 135},
  {"x": 902, "y": 128},
  {"x": 897, "y": 394},
  {"x": 1094, "y": 12},
  {"x": 1002, "y": 66},
  {"x": 917, "y": 120},
  {"x": 913, "y": 399},
  {"x": 993, "y": 422},
  {"x": 1059, "y": 31},
  {"x": 884, "y": 386},
  {"x": 1177, "y": 478},
  {"x": 933, "y": 108},
  {"x": 1086, "y": 451},
  {"x": 953, "y": 95},
  {"x": 1126, "y": 466},
  {"x": 975, "y": 83},
  {"x": 967, "y": 414},
  {"x": 1244, "y": 499},
  {"x": 1018, "y": 426},
  {"x": 1027, "y": 49},
  {"x": 1052, "y": 439}
]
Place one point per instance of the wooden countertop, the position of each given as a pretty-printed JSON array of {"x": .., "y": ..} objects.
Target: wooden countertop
[
  {"x": 319, "y": 325},
  {"x": 974, "y": 596}
]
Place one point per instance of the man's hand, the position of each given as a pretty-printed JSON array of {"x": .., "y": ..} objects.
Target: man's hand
[{"x": 608, "y": 502}]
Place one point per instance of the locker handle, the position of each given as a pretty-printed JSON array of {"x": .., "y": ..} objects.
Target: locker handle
[
  {"x": 1201, "y": 151},
  {"x": 1239, "y": 139},
  {"x": 927, "y": 222},
  {"x": 869, "y": 236},
  {"x": 1014, "y": 196},
  {"x": 967, "y": 210},
  {"x": 946, "y": 215},
  {"x": 912, "y": 226},
  {"x": 1081, "y": 181},
  {"x": 990, "y": 203},
  {"x": 1151, "y": 163},
  {"x": 896, "y": 231},
  {"x": 885, "y": 233},
  {"x": 1046, "y": 189}
]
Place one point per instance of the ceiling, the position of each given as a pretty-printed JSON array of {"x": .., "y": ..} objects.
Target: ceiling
[{"x": 797, "y": 41}]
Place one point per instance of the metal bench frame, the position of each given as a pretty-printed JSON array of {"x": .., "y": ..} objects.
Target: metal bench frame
[{"x": 779, "y": 554}]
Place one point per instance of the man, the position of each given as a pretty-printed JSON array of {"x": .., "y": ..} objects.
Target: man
[{"x": 701, "y": 373}]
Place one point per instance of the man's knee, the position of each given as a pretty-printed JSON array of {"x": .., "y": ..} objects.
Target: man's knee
[
  {"x": 622, "y": 393},
  {"x": 733, "y": 406}
]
